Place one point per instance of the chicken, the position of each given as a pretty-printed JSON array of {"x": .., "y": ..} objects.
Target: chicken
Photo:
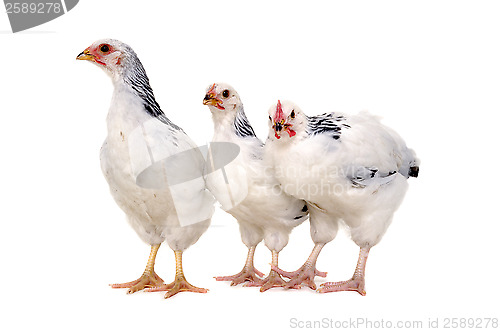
[
  {"x": 349, "y": 169},
  {"x": 262, "y": 210},
  {"x": 136, "y": 159}
]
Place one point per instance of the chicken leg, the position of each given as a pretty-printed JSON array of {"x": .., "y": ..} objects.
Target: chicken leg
[
  {"x": 356, "y": 283},
  {"x": 272, "y": 280},
  {"x": 249, "y": 272},
  {"x": 148, "y": 279},
  {"x": 306, "y": 273},
  {"x": 180, "y": 283}
]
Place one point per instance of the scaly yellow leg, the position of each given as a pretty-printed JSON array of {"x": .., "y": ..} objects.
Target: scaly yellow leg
[
  {"x": 148, "y": 279},
  {"x": 249, "y": 272},
  {"x": 180, "y": 283},
  {"x": 306, "y": 273},
  {"x": 272, "y": 280},
  {"x": 356, "y": 283}
]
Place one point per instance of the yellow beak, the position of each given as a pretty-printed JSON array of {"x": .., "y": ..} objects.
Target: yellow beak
[
  {"x": 85, "y": 55},
  {"x": 210, "y": 99}
]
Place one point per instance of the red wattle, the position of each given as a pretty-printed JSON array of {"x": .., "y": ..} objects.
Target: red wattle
[{"x": 291, "y": 132}]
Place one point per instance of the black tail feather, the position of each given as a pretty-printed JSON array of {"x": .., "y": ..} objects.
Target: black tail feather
[
  {"x": 413, "y": 171},
  {"x": 304, "y": 210}
]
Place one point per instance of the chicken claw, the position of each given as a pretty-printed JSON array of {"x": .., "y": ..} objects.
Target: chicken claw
[
  {"x": 249, "y": 272},
  {"x": 356, "y": 283},
  {"x": 180, "y": 284},
  {"x": 145, "y": 281},
  {"x": 272, "y": 280},
  {"x": 148, "y": 279},
  {"x": 306, "y": 273}
]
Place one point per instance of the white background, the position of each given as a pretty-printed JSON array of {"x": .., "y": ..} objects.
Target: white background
[{"x": 431, "y": 69}]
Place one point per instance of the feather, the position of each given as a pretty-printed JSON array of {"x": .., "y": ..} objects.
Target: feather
[
  {"x": 140, "y": 139},
  {"x": 242, "y": 126},
  {"x": 262, "y": 209},
  {"x": 327, "y": 123}
]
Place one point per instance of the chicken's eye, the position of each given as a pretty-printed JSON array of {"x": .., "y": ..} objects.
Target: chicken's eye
[
  {"x": 292, "y": 115},
  {"x": 270, "y": 118},
  {"x": 104, "y": 48},
  {"x": 225, "y": 93}
]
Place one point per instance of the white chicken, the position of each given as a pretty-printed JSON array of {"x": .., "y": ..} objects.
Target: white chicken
[
  {"x": 349, "y": 169},
  {"x": 140, "y": 139},
  {"x": 262, "y": 210}
]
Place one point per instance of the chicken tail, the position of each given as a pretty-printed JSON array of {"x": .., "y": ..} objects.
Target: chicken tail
[{"x": 413, "y": 171}]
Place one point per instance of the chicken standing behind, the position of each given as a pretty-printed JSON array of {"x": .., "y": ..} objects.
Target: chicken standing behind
[
  {"x": 138, "y": 134},
  {"x": 347, "y": 168},
  {"x": 262, "y": 210}
]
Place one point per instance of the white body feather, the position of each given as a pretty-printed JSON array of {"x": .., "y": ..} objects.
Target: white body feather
[
  {"x": 150, "y": 212},
  {"x": 334, "y": 177},
  {"x": 265, "y": 212}
]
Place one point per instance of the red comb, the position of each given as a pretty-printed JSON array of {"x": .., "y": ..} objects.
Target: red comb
[
  {"x": 279, "y": 112},
  {"x": 212, "y": 89}
]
